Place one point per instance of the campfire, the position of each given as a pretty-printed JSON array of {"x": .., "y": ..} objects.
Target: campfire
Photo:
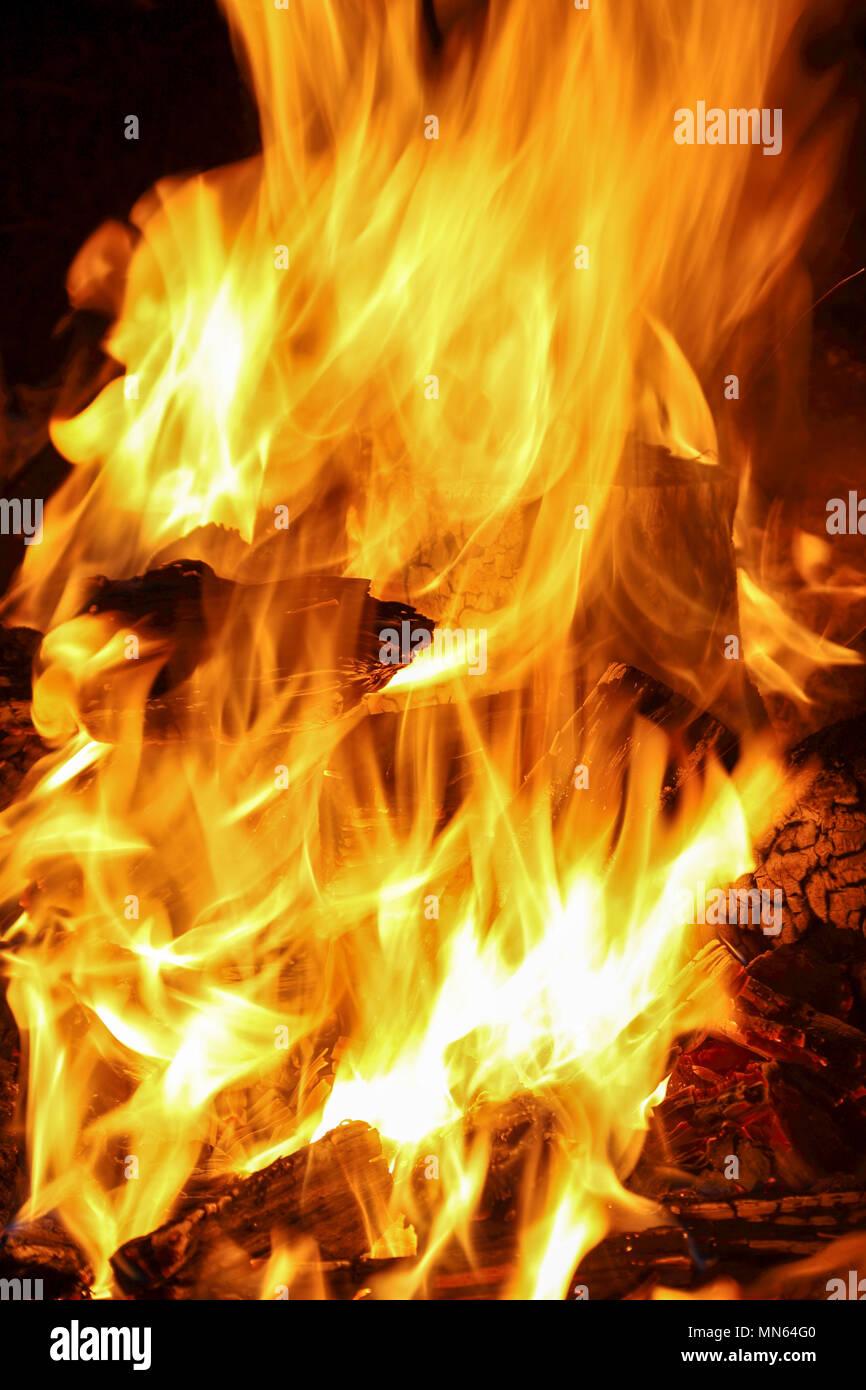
[{"x": 433, "y": 856}]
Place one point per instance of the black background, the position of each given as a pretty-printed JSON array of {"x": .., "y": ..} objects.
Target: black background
[{"x": 71, "y": 72}]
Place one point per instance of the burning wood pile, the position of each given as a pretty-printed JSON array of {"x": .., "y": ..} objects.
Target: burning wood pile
[{"x": 428, "y": 868}]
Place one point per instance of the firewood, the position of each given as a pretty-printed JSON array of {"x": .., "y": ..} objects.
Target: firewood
[
  {"x": 671, "y": 619},
  {"x": 44, "y": 1249},
  {"x": 18, "y": 647},
  {"x": 329, "y": 647},
  {"x": 606, "y": 728},
  {"x": 601, "y": 735},
  {"x": 388, "y": 754},
  {"x": 734, "y": 1238},
  {"x": 703, "y": 1241},
  {"x": 20, "y": 748},
  {"x": 335, "y": 1191},
  {"x": 816, "y": 853},
  {"x": 776, "y": 1027},
  {"x": 215, "y": 1245},
  {"x": 9, "y": 1145},
  {"x": 770, "y": 1125},
  {"x": 778, "y": 1087},
  {"x": 517, "y": 1137},
  {"x": 825, "y": 968},
  {"x": 20, "y": 745},
  {"x": 710, "y": 1239}
]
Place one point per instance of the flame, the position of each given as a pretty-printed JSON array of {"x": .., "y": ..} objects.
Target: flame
[
  {"x": 781, "y": 649},
  {"x": 775, "y": 634},
  {"x": 390, "y": 340}
]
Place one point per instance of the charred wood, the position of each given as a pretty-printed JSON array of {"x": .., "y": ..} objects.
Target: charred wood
[
  {"x": 704, "y": 1241},
  {"x": 310, "y": 647},
  {"x": 335, "y": 1191},
  {"x": 815, "y": 855},
  {"x": 43, "y": 1249},
  {"x": 9, "y": 1145}
]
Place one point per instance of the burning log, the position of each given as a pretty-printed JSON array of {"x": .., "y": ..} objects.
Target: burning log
[
  {"x": 518, "y": 1138},
  {"x": 20, "y": 748},
  {"x": 671, "y": 619},
  {"x": 335, "y": 1190},
  {"x": 825, "y": 969},
  {"x": 816, "y": 854},
  {"x": 44, "y": 1250},
  {"x": 322, "y": 636},
  {"x": 766, "y": 1124},
  {"x": 704, "y": 1241},
  {"x": 600, "y": 734},
  {"x": 521, "y": 1135},
  {"x": 733, "y": 1238},
  {"x": 18, "y": 646},
  {"x": 336, "y": 1193},
  {"x": 606, "y": 724},
  {"x": 737, "y": 1238},
  {"x": 774, "y": 1097},
  {"x": 20, "y": 745},
  {"x": 785, "y": 1044},
  {"x": 9, "y": 1147},
  {"x": 776, "y": 1027}
]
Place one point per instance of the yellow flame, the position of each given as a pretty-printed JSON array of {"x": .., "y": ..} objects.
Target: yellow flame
[{"x": 383, "y": 328}]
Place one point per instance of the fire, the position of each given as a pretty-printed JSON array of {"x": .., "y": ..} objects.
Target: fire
[{"x": 425, "y": 326}]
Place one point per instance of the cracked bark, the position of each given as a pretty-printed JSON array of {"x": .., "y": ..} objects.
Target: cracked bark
[{"x": 815, "y": 854}]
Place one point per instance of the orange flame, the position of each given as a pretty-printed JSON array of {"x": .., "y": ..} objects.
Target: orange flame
[{"x": 384, "y": 330}]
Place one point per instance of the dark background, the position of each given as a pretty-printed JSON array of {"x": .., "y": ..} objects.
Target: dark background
[{"x": 71, "y": 72}]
